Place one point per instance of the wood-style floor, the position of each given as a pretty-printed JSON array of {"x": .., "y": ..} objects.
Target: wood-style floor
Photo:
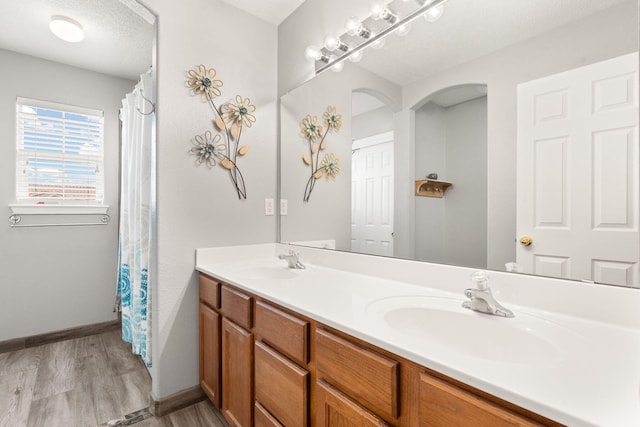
[{"x": 84, "y": 382}]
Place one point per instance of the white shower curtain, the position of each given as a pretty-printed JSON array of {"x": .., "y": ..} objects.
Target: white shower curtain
[{"x": 133, "y": 288}]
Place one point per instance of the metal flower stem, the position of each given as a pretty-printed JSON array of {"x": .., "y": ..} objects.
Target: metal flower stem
[
  {"x": 314, "y": 168},
  {"x": 234, "y": 173}
]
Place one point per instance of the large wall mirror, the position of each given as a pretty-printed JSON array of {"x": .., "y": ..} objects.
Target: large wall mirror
[{"x": 529, "y": 109}]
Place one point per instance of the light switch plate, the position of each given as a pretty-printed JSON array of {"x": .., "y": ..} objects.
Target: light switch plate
[
  {"x": 284, "y": 207},
  {"x": 269, "y": 208}
]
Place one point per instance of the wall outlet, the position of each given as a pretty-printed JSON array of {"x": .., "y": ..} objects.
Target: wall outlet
[
  {"x": 284, "y": 207},
  {"x": 269, "y": 207}
]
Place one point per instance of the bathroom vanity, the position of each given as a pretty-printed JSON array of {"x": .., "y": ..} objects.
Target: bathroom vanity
[{"x": 350, "y": 341}]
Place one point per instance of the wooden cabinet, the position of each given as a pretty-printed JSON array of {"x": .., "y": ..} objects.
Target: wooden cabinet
[
  {"x": 237, "y": 374},
  {"x": 284, "y": 332},
  {"x": 335, "y": 409},
  {"x": 281, "y": 387},
  {"x": 366, "y": 376},
  {"x": 267, "y": 366},
  {"x": 210, "y": 353},
  {"x": 443, "y": 404}
]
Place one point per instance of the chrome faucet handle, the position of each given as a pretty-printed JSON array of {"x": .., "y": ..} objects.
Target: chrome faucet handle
[
  {"x": 292, "y": 260},
  {"x": 482, "y": 301}
]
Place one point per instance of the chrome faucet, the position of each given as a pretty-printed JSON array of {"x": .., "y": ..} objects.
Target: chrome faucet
[
  {"x": 481, "y": 298},
  {"x": 292, "y": 260}
]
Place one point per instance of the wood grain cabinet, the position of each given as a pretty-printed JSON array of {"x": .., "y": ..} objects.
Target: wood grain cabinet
[
  {"x": 209, "y": 294},
  {"x": 281, "y": 387},
  {"x": 210, "y": 353},
  {"x": 335, "y": 409},
  {"x": 237, "y": 374},
  {"x": 443, "y": 404},
  {"x": 267, "y": 366}
]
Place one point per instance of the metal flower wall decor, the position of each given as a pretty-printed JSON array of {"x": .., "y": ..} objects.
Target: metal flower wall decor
[
  {"x": 229, "y": 120},
  {"x": 315, "y": 135}
]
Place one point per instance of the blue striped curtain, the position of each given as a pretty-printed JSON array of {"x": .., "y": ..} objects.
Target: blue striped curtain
[{"x": 133, "y": 290}]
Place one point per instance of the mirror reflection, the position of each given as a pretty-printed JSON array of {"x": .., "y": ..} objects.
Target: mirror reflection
[{"x": 502, "y": 136}]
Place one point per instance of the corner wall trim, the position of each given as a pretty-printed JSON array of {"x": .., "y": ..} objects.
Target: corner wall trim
[
  {"x": 176, "y": 401},
  {"x": 61, "y": 335}
]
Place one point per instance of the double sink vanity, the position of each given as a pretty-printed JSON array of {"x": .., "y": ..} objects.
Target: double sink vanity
[{"x": 366, "y": 341}]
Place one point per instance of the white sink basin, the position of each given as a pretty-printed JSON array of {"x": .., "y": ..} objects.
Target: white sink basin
[{"x": 523, "y": 339}]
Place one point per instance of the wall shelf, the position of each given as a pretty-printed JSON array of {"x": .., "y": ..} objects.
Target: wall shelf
[{"x": 431, "y": 187}]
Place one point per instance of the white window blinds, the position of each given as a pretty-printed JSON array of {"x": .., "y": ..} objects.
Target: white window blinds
[{"x": 60, "y": 153}]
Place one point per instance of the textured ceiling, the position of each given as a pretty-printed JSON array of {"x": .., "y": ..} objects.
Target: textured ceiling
[
  {"x": 273, "y": 11},
  {"x": 118, "y": 33}
]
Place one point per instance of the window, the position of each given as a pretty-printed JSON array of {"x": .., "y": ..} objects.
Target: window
[{"x": 59, "y": 153}]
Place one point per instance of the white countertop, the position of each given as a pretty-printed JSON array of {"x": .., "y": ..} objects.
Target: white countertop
[{"x": 579, "y": 363}]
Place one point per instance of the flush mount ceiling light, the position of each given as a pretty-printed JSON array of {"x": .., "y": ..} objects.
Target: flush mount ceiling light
[
  {"x": 66, "y": 29},
  {"x": 385, "y": 17}
]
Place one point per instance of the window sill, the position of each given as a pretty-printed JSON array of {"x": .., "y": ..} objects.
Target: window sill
[{"x": 51, "y": 209}]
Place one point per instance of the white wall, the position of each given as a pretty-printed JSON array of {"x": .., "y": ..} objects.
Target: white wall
[
  {"x": 372, "y": 123},
  {"x": 57, "y": 277},
  {"x": 452, "y": 142},
  {"x": 198, "y": 207}
]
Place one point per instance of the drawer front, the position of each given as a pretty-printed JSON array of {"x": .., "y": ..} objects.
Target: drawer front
[
  {"x": 336, "y": 409},
  {"x": 262, "y": 417},
  {"x": 209, "y": 291},
  {"x": 367, "y": 377},
  {"x": 284, "y": 332},
  {"x": 281, "y": 387},
  {"x": 236, "y": 306},
  {"x": 444, "y": 404}
]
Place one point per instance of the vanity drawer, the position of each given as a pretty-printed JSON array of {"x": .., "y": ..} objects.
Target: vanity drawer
[
  {"x": 281, "y": 386},
  {"x": 366, "y": 376},
  {"x": 209, "y": 291},
  {"x": 236, "y": 306},
  {"x": 444, "y": 404},
  {"x": 282, "y": 331},
  {"x": 262, "y": 417}
]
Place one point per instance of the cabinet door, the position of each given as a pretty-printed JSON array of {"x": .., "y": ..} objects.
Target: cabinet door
[
  {"x": 443, "y": 404},
  {"x": 237, "y": 374},
  {"x": 335, "y": 409},
  {"x": 210, "y": 353}
]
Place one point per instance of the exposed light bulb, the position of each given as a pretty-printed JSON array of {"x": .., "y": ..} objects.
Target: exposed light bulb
[
  {"x": 352, "y": 25},
  {"x": 433, "y": 14},
  {"x": 331, "y": 42},
  {"x": 377, "y": 10},
  {"x": 403, "y": 29},
  {"x": 313, "y": 52},
  {"x": 356, "y": 56},
  {"x": 66, "y": 29}
]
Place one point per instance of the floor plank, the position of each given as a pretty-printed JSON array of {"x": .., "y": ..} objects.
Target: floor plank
[
  {"x": 16, "y": 391},
  {"x": 201, "y": 414},
  {"x": 56, "y": 370},
  {"x": 84, "y": 382},
  {"x": 133, "y": 390}
]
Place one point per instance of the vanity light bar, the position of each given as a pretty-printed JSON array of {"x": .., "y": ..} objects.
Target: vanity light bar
[{"x": 321, "y": 64}]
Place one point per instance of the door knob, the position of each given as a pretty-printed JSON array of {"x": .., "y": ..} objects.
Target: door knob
[{"x": 526, "y": 240}]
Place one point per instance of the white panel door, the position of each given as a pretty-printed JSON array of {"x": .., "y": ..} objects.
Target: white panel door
[
  {"x": 578, "y": 173},
  {"x": 372, "y": 196}
]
